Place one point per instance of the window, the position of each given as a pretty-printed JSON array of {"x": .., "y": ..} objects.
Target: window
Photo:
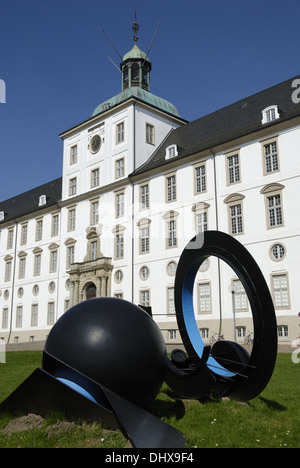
[
  {"x": 282, "y": 331},
  {"x": 53, "y": 261},
  {"x": 274, "y": 211},
  {"x": 73, "y": 154},
  {"x": 72, "y": 186},
  {"x": 120, "y": 134},
  {"x": 22, "y": 267},
  {"x": 274, "y": 207},
  {"x": 241, "y": 332},
  {"x": 94, "y": 212},
  {"x": 24, "y": 234},
  {"x": 37, "y": 264},
  {"x": 119, "y": 276},
  {"x": 171, "y": 188},
  {"x": 201, "y": 216},
  {"x": 119, "y": 204},
  {"x": 236, "y": 219},
  {"x": 172, "y": 334},
  {"x": 34, "y": 315},
  {"x": 170, "y": 300},
  {"x": 150, "y": 134},
  {"x": 204, "y": 298},
  {"x": 270, "y": 113},
  {"x": 144, "y": 273},
  {"x": 5, "y": 318},
  {"x": 233, "y": 169},
  {"x": 235, "y": 213},
  {"x": 119, "y": 246},
  {"x": 70, "y": 255},
  {"x": 200, "y": 179},
  {"x": 51, "y": 313},
  {"x": 270, "y": 157},
  {"x": 54, "y": 227},
  {"x": 144, "y": 196},
  {"x": 10, "y": 239},
  {"x": 144, "y": 235},
  {"x": 118, "y": 295},
  {"x": 201, "y": 222},
  {"x": 39, "y": 230},
  {"x": 95, "y": 180},
  {"x": 120, "y": 168},
  {"x": 144, "y": 239},
  {"x": 172, "y": 236},
  {"x": 171, "y": 228},
  {"x": 71, "y": 219},
  {"x": 145, "y": 298},
  {"x": 171, "y": 152},
  {"x": 280, "y": 291},
  {"x": 8, "y": 269},
  {"x": 19, "y": 318},
  {"x": 171, "y": 268},
  {"x": 204, "y": 333},
  {"x": 240, "y": 296},
  {"x": 277, "y": 252},
  {"x": 42, "y": 200},
  {"x": 94, "y": 248}
]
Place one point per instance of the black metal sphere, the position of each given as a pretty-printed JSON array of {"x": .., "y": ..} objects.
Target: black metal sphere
[{"x": 113, "y": 342}]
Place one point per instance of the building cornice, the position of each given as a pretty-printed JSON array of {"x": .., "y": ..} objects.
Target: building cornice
[{"x": 226, "y": 146}]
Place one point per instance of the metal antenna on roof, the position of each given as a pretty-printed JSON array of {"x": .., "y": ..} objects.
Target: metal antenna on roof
[
  {"x": 112, "y": 45},
  {"x": 114, "y": 63},
  {"x": 152, "y": 42}
]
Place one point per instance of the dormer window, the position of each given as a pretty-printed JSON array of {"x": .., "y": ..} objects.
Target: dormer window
[
  {"x": 270, "y": 113},
  {"x": 171, "y": 152},
  {"x": 42, "y": 200},
  {"x": 1, "y": 215}
]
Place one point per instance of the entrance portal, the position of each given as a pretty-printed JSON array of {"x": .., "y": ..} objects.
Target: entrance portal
[{"x": 90, "y": 291}]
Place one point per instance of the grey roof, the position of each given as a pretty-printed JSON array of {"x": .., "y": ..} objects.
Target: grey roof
[
  {"x": 237, "y": 120},
  {"x": 28, "y": 202}
]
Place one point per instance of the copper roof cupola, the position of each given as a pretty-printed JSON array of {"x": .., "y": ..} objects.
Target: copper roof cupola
[{"x": 135, "y": 66}]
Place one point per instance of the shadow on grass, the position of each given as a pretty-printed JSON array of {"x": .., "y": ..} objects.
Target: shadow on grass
[
  {"x": 162, "y": 408},
  {"x": 273, "y": 405}
]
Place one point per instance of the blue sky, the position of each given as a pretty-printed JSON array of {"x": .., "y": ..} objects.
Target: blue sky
[{"x": 54, "y": 61}]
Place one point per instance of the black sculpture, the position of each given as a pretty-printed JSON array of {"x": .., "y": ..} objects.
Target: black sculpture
[
  {"x": 112, "y": 342},
  {"x": 105, "y": 359},
  {"x": 227, "y": 368}
]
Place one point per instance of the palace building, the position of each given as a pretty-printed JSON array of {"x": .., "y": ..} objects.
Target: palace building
[{"x": 138, "y": 183}]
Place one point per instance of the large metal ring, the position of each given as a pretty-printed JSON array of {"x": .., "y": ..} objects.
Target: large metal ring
[{"x": 258, "y": 371}]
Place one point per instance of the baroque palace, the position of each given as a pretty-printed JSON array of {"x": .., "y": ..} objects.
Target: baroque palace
[{"x": 138, "y": 183}]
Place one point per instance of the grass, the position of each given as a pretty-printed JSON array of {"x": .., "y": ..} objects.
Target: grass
[{"x": 270, "y": 420}]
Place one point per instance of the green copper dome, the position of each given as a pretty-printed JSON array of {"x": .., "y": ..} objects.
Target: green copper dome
[
  {"x": 135, "y": 53},
  {"x": 141, "y": 95}
]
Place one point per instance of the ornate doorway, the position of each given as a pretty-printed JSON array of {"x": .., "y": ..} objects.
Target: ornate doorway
[{"x": 90, "y": 291}]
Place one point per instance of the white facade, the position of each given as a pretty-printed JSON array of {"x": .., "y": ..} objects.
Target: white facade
[{"x": 119, "y": 231}]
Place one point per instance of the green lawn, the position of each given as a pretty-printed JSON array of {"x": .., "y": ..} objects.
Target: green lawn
[{"x": 270, "y": 420}]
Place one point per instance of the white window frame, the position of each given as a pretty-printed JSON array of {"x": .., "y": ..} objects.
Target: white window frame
[
  {"x": 119, "y": 168},
  {"x": 150, "y": 134},
  {"x": 120, "y": 133},
  {"x": 280, "y": 290},
  {"x": 204, "y": 297},
  {"x": 269, "y": 114},
  {"x": 200, "y": 178},
  {"x": 171, "y": 188}
]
